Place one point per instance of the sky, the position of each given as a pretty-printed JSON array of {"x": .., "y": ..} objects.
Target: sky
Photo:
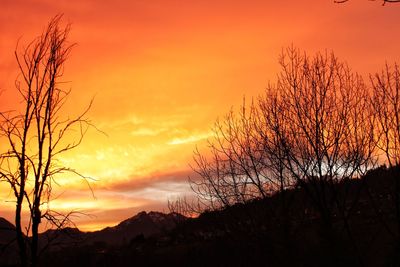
[{"x": 162, "y": 71}]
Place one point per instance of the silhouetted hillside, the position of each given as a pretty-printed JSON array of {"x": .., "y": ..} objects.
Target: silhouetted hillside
[
  {"x": 8, "y": 247},
  {"x": 284, "y": 229}
]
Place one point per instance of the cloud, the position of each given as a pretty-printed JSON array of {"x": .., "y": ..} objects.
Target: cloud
[
  {"x": 190, "y": 139},
  {"x": 147, "y": 131},
  {"x": 156, "y": 179}
]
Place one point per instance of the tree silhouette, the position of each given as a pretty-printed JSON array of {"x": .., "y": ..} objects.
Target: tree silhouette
[
  {"x": 312, "y": 129},
  {"x": 329, "y": 127},
  {"x": 314, "y": 124},
  {"x": 38, "y": 134},
  {"x": 386, "y": 104}
]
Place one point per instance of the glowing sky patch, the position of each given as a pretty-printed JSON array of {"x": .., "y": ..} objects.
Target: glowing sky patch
[{"x": 161, "y": 72}]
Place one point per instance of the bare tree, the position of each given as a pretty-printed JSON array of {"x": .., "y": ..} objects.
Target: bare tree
[
  {"x": 329, "y": 135},
  {"x": 38, "y": 134},
  {"x": 313, "y": 128},
  {"x": 243, "y": 164},
  {"x": 314, "y": 124},
  {"x": 386, "y": 104}
]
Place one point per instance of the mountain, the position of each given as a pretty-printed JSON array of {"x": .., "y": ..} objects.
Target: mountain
[
  {"x": 60, "y": 238},
  {"x": 7, "y": 231},
  {"x": 141, "y": 225}
]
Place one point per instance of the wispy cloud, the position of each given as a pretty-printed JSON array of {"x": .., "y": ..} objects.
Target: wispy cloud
[
  {"x": 147, "y": 131},
  {"x": 189, "y": 139}
]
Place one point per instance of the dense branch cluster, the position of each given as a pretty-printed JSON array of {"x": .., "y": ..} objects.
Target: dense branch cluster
[
  {"x": 319, "y": 124},
  {"x": 317, "y": 130}
]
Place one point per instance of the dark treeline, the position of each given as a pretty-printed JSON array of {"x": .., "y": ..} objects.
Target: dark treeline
[{"x": 255, "y": 233}]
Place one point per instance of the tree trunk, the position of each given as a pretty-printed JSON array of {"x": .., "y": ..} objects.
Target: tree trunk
[
  {"x": 19, "y": 233},
  {"x": 35, "y": 236}
]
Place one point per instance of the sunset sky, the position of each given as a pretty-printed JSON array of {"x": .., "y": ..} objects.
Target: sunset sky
[{"x": 162, "y": 71}]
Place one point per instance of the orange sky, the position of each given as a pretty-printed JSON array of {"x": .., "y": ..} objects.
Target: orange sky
[{"x": 162, "y": 71}]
